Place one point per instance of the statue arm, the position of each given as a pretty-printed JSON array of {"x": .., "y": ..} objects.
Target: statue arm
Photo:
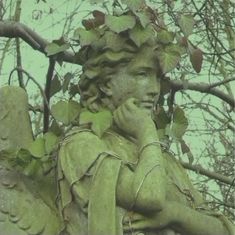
[
  {"x": 180, "y": 218},
  {"x": 129, "y": 191},
  {"x": 193, "y": 222},
  {"x": 145, "y": 188}
]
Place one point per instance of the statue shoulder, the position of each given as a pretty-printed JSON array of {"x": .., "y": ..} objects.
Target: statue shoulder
[
  {"x": 79, "y": 151},
  {"x": 81, "y": 137}
]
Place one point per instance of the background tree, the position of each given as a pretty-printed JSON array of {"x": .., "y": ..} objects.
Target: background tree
[{"x": 200, "y": 86}]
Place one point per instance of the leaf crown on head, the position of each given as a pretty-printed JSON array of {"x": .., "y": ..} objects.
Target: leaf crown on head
[{"x": 110, "y": 38}]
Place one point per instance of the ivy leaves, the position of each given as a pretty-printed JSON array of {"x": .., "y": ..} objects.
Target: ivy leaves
[
  {"x": 120, "y": 23},
  {"x": 100, "y": 121},
  {"x": 86, "y": 37},
  {"x": 180, "y": 123},
  {"x": 65, "y": 111},
  {"x": 174, "y": 128},
  {"x": 186, "y": 23},
  {"x": 140, "y": 35},
  {"x": 134, "y": 5},
  {"x": 36, "y": 158},
  {"x": 56, "y": 47},
  {"x": 168, "y": 60}
]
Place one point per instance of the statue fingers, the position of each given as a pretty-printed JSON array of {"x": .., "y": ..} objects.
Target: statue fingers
[
  {"x": 136, "y": 222},
  {"x": 116, "y": 116},
  {"x": 131, "y": 104}
]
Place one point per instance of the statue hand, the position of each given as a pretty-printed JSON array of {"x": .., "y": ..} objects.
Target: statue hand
[
  {"x": 159, "y": 220},
  {"x": 132, "y": 119}
]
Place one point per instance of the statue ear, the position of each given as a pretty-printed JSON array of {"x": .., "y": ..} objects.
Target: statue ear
[{"x": 105, "y": 89}]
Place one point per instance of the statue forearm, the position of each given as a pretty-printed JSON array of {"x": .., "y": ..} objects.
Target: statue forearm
[
  {"x": 149, "y": 183},
  {"x": 192, "y": 222},
  {"x": 144, "y": 189},
  {"x": 181, "y": 219}
]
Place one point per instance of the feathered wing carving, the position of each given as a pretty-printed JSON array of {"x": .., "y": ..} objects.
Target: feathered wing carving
[{"x": 23, "y": 210}]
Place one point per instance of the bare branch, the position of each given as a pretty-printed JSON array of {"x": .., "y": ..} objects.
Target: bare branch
[
  {"x": 210, "y": 174},
  {"x": 11, "y": 29},
  {"x": 204, "y": 88}
]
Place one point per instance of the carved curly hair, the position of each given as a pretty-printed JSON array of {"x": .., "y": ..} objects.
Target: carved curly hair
[{"x": 98, "y": 64}]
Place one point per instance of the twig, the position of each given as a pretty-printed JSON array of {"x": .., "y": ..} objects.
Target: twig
[
  {"x": 18, "y": 53},
  {"x": 4, "y": 51},
  {"x": 221, "y": 83}
]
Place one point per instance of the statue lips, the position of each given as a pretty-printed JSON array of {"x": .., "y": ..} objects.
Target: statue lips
[
  {"x": 150, "y": 102},
  {"x": 147, "y": 104}
]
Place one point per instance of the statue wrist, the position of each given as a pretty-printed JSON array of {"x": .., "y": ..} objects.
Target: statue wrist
[{"x": 147, "y": 134}]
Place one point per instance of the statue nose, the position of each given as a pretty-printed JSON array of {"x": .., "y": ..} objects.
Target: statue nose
[{"x": 154, "y": 89}]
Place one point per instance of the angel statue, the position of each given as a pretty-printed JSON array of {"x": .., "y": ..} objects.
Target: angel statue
[{"x": 110, "y": 177}]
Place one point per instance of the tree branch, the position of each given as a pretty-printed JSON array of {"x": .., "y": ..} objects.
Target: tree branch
[
  {"x": 210, "y": 174},
  {"x": 11, "y": 29},
  {"x": 204, "y": 88},
  {"x": 47, "y": 94}
]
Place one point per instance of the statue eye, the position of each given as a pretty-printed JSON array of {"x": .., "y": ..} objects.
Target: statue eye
[{"x": 142, "y": 73}]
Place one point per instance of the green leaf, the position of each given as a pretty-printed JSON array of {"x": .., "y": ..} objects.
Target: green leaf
[
  {"x": 140, "y": 35},
  {"x": 51, "y": 141},
  {"x": 180, "y": 123},
  {"x": 133, "y": 5},
  {"x": 100, "y": 121},
  {"x": 53, "y": 48},
  {"x": 161, "y": 118},
  {"x": 165, "y": 36},
  {"x": 37, "y": 148},
  {"x": 168, "y": 60},
  {"x": 24, "y": 157},
  {"x": 56, "y": 129},
  {"x": 196, "y": 59},
  {"x": 179, "y": 116},
  {"x": 65, "y": 111},
  {"x": 186, "y": 23},
  {"x": 86, "y": 37},
  {"x": 144, "y": 17},
  {"x": 113, "y": 41},
  {"x": 67, "y": 78},
  {"x": 175, "y": 48},
  {"x": 32, "y": 168},
  {"x": 55, "y": 85},
  {"x": 120, "y": 23},
  {"x": 73, "y": 89}
]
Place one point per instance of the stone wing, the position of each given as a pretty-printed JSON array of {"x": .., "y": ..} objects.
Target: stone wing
[{"x": 22, "y": 210}]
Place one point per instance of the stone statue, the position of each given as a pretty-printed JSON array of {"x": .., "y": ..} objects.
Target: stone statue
[
  {"x": 121, "y": 179},
  {"x": 112, "y": 177}
]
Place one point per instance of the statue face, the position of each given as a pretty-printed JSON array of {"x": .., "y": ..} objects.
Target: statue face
[{"x": 138, "y": 79}]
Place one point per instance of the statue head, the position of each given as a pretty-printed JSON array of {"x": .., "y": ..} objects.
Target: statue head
[{"x": 115, "y": 69}]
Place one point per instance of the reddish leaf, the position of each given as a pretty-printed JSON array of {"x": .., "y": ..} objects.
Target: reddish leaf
[
  {"x": 196, "y": 58},
  {"x": 99, "y": 17},
  {"x": 183, "y": 41},
  {"x": 88, "y": 24},
  {"x": 93, "y": 23},
  {"x": 184, "y": 147}
]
